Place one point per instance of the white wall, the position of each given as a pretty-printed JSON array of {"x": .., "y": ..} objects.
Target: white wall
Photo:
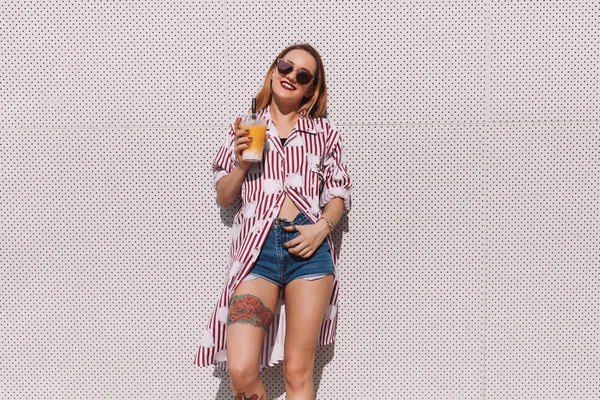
[{"x": 469, "y": 263}]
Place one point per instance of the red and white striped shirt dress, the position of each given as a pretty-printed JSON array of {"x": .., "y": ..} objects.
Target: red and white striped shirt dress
[{"x": 311, "y": 169}]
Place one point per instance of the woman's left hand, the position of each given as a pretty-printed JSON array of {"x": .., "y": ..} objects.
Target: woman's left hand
[{"x": 310, "y": 238}]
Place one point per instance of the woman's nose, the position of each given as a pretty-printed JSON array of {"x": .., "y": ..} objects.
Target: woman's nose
[{"x": 293, "y": 73}]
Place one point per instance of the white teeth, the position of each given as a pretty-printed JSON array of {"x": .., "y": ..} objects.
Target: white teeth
[{"x": 287, "y": 86}]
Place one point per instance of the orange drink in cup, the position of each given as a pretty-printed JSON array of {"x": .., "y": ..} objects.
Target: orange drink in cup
[{"x": 257, "y": 130}]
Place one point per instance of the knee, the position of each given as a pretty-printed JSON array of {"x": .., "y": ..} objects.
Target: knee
[
  {"x": 298, "y": 370},
  {"x": 243, "y": 373}
]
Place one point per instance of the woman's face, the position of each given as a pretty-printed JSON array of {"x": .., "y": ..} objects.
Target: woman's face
[{"x": 286, "y": 87}]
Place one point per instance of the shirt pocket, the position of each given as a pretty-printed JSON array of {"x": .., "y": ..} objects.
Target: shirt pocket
[
  {"x": 316, "y": 174},
  {"x": 317, "y": 178}
]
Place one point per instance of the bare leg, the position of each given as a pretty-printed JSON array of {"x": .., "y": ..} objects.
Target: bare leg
[
  {"x": 250, "y": 314},
  {"x": 305, "y": 303}
]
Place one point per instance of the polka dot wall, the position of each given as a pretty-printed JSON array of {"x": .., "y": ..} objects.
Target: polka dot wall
[{"x": 469, "y": 264}]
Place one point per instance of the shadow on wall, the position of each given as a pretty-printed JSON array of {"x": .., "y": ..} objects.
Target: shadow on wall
[{"x": 273, "y": 376}]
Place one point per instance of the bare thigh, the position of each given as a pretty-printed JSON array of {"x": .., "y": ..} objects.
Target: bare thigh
[
  {"x": 250, "y": 315},
  {"x": 305, "y": 304}
]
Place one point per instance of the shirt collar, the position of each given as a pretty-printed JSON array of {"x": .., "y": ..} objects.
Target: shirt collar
[{"x": 305, "y": 123}]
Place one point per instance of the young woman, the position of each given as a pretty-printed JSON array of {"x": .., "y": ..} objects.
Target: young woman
[{"x": 280, "y": 294}]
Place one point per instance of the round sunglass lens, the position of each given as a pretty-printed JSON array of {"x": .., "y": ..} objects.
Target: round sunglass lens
[
  {"x": 303, "y": 77},
  {"x": 284, "y": 67}
]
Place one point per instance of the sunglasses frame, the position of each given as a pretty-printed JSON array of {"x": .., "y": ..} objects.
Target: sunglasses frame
[{"x": 312, "y": 79}]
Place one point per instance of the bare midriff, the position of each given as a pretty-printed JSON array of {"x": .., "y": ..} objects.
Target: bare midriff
[{"x": 288, "y": 209}]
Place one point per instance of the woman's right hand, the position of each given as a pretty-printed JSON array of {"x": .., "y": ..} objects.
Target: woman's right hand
[{"x": 241, "y": 144}]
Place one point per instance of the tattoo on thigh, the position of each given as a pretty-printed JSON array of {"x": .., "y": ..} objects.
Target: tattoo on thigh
[
  {"x": 242, "y": 396},
  {"x": 248, "y": 309}
]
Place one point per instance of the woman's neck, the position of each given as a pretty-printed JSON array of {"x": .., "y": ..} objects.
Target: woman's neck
[{"x": 283, "y": 113}]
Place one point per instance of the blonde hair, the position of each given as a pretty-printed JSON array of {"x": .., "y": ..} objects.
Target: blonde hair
[{"x": 316, "y": 105}]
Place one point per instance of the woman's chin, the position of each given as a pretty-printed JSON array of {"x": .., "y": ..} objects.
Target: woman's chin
[{"x": 286, "y": 97}]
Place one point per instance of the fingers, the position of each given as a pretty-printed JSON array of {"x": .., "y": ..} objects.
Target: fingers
[
  {"x": 303, "y": 252},
  {"x": 292, "y": 242},
  {"x": 241, "y": 141},
  {"x": 306, "y": 253},
  {"x": 298, "y": 247},
  {"x": 296, "y": 250},
  {"x": 240, "y": 136},
  {"x": 294, "y": 228},
  {"x": 238, "y": 131},
  {"x": 290, "y": 245}
]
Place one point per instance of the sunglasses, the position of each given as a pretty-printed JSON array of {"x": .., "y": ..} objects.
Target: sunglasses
[{"x": 303, "y": 76}]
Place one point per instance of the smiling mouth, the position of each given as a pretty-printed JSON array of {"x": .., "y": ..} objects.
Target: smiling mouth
[{"x": 287, "y": 86}]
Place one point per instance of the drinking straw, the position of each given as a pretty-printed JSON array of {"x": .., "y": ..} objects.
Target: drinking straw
[{"x": 254, "y": 108}]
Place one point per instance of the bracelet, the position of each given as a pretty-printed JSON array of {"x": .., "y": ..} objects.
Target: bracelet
[{"x": 329, "y": 224}]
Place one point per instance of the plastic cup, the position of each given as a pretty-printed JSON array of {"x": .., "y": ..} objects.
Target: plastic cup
[{"x": 257, "y": 130}]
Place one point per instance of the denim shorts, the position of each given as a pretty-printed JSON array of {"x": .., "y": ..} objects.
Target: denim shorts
[{"x": 277, "y": 265}]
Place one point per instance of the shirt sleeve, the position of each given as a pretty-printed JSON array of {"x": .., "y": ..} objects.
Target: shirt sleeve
[
  {"x": 337, "y": 180},
  {"x": 225, "y": 159}
]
